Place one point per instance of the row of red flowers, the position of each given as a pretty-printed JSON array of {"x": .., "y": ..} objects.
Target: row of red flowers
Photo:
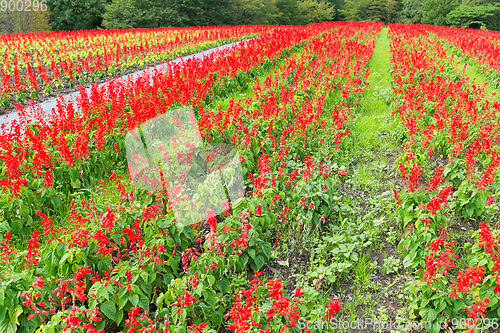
[
  {"x": 481, "y": 46},
  {"x": 452, "y": 145},
  {"x": 42, "y": 62}
]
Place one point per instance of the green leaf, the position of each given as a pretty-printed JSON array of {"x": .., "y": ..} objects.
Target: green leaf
[
  {"x": 179, "y": 283},
  {"x": 211, "y": 279},
  {"x": 17, "y": 225},
  {"x": 122, "y": 302},
  {"x": 143, "y": 302},
  {"x": 3, "y": 312},
  {"x": 25, "y": 210},
  {"x": 223, "y": 285},
  {"x": 266, "y": 248},
  {"x": 50, "y": 330},
  {"x": 5, "y": 226},
  {"x": 144, "y": 276},
  {"x": 65, "y": 269},
  {"x": 470, "y": 211},
  {"x": 147, "y": 288},
  {"x": 189, "y": 233},
  {"x": 152, "y": 277},
  {"x": 8, "y": 327},
  {"x": 167, "y": 278},
  {"x": 243, "y": 260},
  {"x": 173, "y": 264},
  {"x": 15, "y": 314},
  {"x": 109, "y": 309},
  {"x": 268, "y": 222},
  {"x": 209, "y": 299},
  {"x": 406, "y": 262},
  {"x": 159, "y": 301},
  {"x": 2, "y": 297},
  {"x": 134, "y": 299},
  {"x": 259, "y": 262},
  {"x": 119, "y": 317},
  {"x": 441, "y": 306},
  {"x": 101, "y": 291},
  {"x": 180, "y": 329},
  {"x": 428, "y": 314},
  {"x": 217, "y": 317}
]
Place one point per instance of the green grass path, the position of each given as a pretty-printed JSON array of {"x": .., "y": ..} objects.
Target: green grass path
[
  {"x": 374, "y": 127},
  {"x": 374, "y": 121},
  {"x": 373, "y": 149}
]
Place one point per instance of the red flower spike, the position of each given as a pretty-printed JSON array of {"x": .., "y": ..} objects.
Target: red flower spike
[{"x": 332, "y": 308}]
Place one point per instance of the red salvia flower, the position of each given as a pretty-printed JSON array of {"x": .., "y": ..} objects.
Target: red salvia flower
[
  {"x": 33, "y": 246},
  {"x": 275, "y": 288},
  {"x": 185, "y": 300},
  {"x": 332, "y": 308}
]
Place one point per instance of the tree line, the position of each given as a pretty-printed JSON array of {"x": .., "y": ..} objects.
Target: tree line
[
  {"x": 23, "y": 21},
  {"x": 476, "y": 14},
  {"x": 127, "y": 14},
  {"x": 115, "y": 14}
]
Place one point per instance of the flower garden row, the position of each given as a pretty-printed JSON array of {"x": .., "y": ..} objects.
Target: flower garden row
[
  {"x": 480, "y": 47},
  {"x": 42, "y": 62},
  {"x": 450, "y": 165},
  {"x": 83, "y": 251}
]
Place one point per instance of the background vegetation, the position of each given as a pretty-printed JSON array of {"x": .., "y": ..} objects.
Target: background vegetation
[
  {"x": 113, "y": 14},
  {"x": 23, "y": 21}
]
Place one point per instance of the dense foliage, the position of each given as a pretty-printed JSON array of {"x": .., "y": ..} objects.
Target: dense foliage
[
  {"x": 468, "y": 13},
  {"x": 126, "y": 14},
  {"x": 181, "y": 13},
  {"x": 449, "y": 166}
]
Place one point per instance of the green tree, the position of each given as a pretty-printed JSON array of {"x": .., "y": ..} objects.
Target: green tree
[
  {"x": 336, "y": 5},
  {"x": 189, "y": 13},
  {"x": 412, "y": 11},
  {"x": 218, "y": 12},
  {"x": 370, "y": 10},
  {"x": 121, "y": 14},
  {"x": 129, "y": 14},
  {"x": 76, "y": 14},
  {"x": 287, "y": 12},
  {"x": 435, "y": 11},
  {"x": 475, "y": 16},
  {"x": 313, "y": 11},
  {"x": 158, "y": 13},
  {"x": 254, "y": 12}
]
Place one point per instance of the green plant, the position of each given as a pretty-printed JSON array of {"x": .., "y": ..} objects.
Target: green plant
[
  {"x": 338, "y": 254},
  {"x": 391, "y": 265}
]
